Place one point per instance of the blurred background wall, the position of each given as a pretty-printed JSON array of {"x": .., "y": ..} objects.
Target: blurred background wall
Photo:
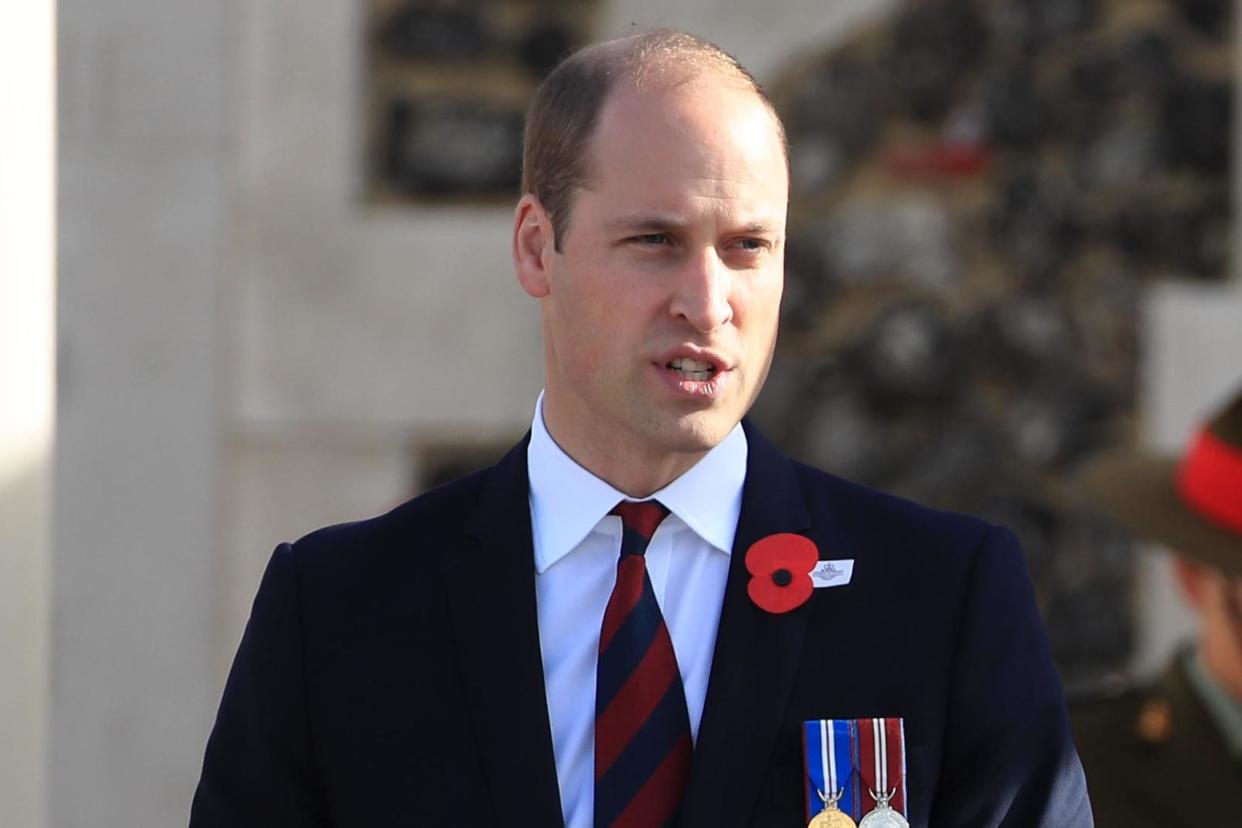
[{"x": 255, "y": 339}]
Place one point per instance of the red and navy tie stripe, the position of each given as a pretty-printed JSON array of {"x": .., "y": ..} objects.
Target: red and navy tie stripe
[{"x": 642, "y": 729}]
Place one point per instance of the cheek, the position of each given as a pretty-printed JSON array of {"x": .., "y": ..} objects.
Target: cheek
[
  {"x": 760, "y": 307},
  {"x": 589, "y": 333},
  {"x": 573, "y": 338}
]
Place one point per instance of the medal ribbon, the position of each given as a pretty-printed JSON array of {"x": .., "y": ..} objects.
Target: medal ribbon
[
  {"x": 831, "y": 754},
  {"x": 1210, "y": 481},
  {"x": 882, "y": 762}
]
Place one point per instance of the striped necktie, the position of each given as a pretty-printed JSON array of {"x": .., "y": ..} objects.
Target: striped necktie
[{"x": 642, "y": 729}]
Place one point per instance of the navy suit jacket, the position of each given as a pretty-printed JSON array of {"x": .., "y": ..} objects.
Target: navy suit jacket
[{"x": 390, "y": 672}]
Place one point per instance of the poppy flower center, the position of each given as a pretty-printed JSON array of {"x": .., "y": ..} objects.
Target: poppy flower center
[{"x": 782, "y": 577}]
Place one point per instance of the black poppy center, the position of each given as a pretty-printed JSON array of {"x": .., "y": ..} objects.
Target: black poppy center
[{"x": 782, "y": 577}]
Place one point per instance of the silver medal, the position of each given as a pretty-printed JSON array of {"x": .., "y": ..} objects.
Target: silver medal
[{"x": 883, "y": 816}]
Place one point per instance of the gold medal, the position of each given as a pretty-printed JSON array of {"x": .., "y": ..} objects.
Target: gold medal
[
  {"x": 831, "y": 816},
  {"x": 883, "y": 816}
]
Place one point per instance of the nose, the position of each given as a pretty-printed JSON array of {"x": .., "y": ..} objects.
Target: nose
[{"x": 704, "y": 292}]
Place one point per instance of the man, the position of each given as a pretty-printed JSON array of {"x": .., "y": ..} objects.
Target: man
[
  {"x": 538, "y": 644},
  {"x": 1169, "y": 753}
]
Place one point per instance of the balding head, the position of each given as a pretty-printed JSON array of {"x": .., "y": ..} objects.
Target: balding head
[{"x": 566, "y": 109}]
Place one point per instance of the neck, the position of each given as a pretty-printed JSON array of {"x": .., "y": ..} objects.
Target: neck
[
  {"x": 628, "y": 465},
  {"x": 1220, "y": 652},
  {"x": 1221, "y": 677}
]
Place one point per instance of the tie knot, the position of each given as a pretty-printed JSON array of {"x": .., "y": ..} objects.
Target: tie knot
[{"x": 640, "y": 520}]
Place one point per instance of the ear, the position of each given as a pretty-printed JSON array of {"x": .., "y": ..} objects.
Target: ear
[
  {"x": 1194, "y": 578},
  {"x": 533, "y": 246}
]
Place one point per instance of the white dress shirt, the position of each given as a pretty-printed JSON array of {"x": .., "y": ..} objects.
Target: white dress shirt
[{"x": 577, "y": 545}]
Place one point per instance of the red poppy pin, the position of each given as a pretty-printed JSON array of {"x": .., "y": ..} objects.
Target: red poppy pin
[{"x": 780, "y": 566}]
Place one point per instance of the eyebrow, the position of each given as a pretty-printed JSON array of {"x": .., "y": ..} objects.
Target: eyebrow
[
  {"x": 658, "y": 223},
  {"x": 645, "y": 222}
]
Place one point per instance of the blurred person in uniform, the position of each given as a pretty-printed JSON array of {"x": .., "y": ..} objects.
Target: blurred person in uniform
[{"x": 1169, "y": 753}]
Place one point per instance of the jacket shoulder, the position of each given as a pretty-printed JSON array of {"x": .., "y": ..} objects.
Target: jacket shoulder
[
  {"x": 890, "y": 520},
  {"x": 416, "y": 528},
  {"x": 1144, "y": 722}
]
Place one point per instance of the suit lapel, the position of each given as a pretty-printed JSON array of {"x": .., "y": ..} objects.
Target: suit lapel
[
  {"x": 756, "y": 656},
  {"x": 491, "y": 587}
]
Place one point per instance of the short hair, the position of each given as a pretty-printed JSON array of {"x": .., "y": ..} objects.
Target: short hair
[{"x": 567, "y": 105}]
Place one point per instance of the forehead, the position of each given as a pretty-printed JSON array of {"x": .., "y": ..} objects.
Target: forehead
[{"x": 703, "y": 143}]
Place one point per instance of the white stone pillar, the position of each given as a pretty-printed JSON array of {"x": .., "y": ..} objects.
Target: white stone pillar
[
  {"x": 141, "y": 203},
  {"x": 1193, "y": 362},
  {"x": 27, "y": 392}
]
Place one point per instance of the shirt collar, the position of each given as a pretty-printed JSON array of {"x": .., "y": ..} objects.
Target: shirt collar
[{"x": 567, "y": 501}]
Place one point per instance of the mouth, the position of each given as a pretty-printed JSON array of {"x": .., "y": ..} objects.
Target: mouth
[
  {"x": 702, "y": 376},
  {"x": 692, "y": 370}
]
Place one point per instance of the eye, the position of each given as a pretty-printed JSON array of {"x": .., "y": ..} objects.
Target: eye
[
  {"x": 750, "y": 244},
  {"x": 652, "y": 239}
]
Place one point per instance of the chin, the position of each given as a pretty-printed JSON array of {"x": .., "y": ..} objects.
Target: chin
[{"x": 700, "y": 432}]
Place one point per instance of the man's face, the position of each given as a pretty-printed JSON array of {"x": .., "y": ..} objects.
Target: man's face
[{"x": 662, "y": 306}]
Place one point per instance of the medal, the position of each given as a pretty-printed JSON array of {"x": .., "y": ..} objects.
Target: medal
[
  {"x": 847, "y": 759},
  {"x": 882, "y": 765},
  {"x": 832, "y": 792},
  {"x": 831, "y": 816},
  {"x": 883, "y": 816}
]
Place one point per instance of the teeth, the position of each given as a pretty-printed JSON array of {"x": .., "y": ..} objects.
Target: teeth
[
  {"x": 695, "y": 370},
  {"x": 688, "y": 365}
]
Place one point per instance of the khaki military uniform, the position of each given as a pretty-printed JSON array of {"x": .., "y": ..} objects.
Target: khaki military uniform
[{"x": 1155, "y": 757}]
